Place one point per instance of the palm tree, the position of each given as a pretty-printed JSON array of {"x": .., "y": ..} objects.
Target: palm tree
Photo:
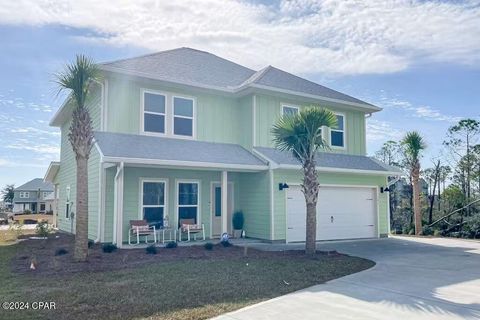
[
  {"x": 77, "y": 78},
  {"x": 302, "y": 135},
  {"x": 413, "y": 144}
]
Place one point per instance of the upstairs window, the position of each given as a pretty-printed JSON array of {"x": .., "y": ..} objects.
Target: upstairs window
[
  {"x": 183, "y": 116},
  {"x": 154, "y": 112},
  {"x": 289, "y": 110},
  {"x": 337, "y": 133},
  {"x": 24, "y": 195}
]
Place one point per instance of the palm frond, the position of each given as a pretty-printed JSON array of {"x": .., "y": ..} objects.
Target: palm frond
[
  {"x": 413, "y": 144},
  {"x": 77, "y": 78},
  {"x": 302, "y": 133}
]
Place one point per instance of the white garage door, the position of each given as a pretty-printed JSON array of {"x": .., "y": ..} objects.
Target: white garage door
[{"x": 342, "y": 213}]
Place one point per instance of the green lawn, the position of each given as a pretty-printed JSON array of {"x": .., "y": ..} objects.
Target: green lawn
[{"x": 185, "y": 288}]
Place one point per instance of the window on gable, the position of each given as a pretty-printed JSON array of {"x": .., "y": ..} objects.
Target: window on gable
[
  {"x": 183, "y": 116},
  {"x": 24, "y": 195},
  {"x": 337, "y": 133},
  {"x": 289, "y": 110},
  {"x": 153, "y": 112}
]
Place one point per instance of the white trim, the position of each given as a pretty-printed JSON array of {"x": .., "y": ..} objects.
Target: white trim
[
  {"x": 102, "y": 104},
  {"x": 388, "y": 207},
  {"x": 105, "y": 105},
  {"x": 344, "y": 131},
  {"x": 142, "y": 114},
  {"x": 199, "y": 199},
  {"x": 254, "y": 120},
  {"x": 339, "y": 170},
  {"x": 192, "y": 164},
  {"x": 118, "y": 205},
  {"x": 142, "y": 180},
  {"x": 193, "y": 118},
  {"x": 51, "y": 166},
  {"x": 272, "y": 205},
  {"x": 288, "y": 105},
  {"x": 377, "y": 200},
  {"x": 24, "y": 195},
  {"x": 100, "y": 201},
  {"x": 104, "y": 199}
]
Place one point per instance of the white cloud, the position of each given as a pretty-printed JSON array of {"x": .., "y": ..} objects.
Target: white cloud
[
  {"x": 303, "y": 36},
  {"x": 422, "y": 112},
  {"x": 41, "y": 148},
  {"x": 382, "y": 131}
]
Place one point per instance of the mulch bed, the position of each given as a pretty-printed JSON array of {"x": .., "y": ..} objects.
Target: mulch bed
[{"x": 47, "y": 263}]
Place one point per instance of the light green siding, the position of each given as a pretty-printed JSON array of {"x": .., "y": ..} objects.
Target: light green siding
[
  {"x": 255, "y": 203},
  {"x": 268, "y": 111},
  {"x": 218, "y": 118},
  {"x": 294, "y": 177}
]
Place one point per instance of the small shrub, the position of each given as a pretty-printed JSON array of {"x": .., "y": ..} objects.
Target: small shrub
[
  {"x": 171, "y": 245},
  {"x": 109, "y": 247},
  {"x": 226, "y": 243},
  {"x": 27, "y": 212},
  {"x": 427, "y": 231},
  {"x": 61, "y": 252},
  {"x": 151, "y": 249},
  {"x": 43, "y": 229},
  {"x": 208, "y": 246},
  {"x": 91, "y": 243},
  {"x": 411, "y": 232},
  {"x": 437, "y": 233}
]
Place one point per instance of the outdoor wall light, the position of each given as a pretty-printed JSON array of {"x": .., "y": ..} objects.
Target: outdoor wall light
[
  {"x": 386, "y": 189},
  {"x": 282, "y": 186}
]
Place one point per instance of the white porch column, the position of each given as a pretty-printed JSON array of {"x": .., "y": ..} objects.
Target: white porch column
[
  {"x": 118, "y": 206},
  {"x": 224, "y": 208}
]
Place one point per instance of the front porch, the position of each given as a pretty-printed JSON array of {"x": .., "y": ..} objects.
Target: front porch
[{"x": 165, "y": 196}]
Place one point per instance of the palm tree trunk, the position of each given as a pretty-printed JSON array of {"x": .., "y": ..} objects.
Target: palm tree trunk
[
  {"x": 417, "y": 210},
  {"x": 310, "y": 190},
  {"x": 81, "y": 235}
]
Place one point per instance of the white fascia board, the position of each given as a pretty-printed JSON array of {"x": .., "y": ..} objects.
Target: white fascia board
[
  {"x": 52, "y": 171},
  {"x": 341, "y": 170},
  {"x": 189, "y": 164}
]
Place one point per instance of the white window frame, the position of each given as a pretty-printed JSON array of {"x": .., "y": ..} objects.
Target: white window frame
[
  {"x": 45, "y": 194},
  {"x": 198, "y": 205},
  {"x": 142, "y": 118},
  {"x": 286, "y": 105},
  {"x": 193, "y": 117},
  {"x": 165, "y": 196},
  {"x": 24, "y": 194},
  {"x": 337, "y": 130}
]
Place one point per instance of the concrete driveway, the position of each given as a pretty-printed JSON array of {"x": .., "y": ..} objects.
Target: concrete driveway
[{"x": 413, "y": 279}]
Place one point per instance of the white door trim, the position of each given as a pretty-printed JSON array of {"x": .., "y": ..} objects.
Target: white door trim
[{"x": 231, "y": 185}]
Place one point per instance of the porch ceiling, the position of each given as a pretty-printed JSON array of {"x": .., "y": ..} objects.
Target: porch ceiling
[{"x": 159, "y": 151}]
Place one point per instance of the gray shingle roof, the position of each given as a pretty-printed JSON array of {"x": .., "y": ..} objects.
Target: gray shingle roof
[
  {"x": 118, "y": 145},
  {"x": 188, "y": 66},
  {"x": 34, "y": 185},
  {"x": 329, "y": 160},
  {"x": 199, "y": 68},
  {"x": 277, "y": 78}
]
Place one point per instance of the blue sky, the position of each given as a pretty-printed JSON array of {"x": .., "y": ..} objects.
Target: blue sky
[{"x": 420, "y": 61}]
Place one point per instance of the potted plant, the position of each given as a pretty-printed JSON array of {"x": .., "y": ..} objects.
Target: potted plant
[{"x": 237, "y": 221}]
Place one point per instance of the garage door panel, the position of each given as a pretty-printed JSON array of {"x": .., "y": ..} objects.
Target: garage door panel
[{"x": 353, "y": 210}]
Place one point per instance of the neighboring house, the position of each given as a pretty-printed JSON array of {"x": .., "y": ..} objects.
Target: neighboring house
[
  {"x": 32, "y": 196},
  {"x": 186, "y": 134}
]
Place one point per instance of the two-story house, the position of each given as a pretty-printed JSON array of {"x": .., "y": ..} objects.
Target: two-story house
[
  {"x": 186, "y": 134},
  {"x": 34, "y": 196}
]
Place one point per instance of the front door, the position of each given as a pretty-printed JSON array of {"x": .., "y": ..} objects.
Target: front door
[{"x": 216, "y": 207}]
